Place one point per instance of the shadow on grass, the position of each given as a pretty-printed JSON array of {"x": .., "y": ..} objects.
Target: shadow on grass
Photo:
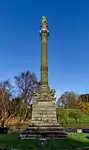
[
  {"x": 72, "y": 142},
  {"x": 69, "y": 144}
]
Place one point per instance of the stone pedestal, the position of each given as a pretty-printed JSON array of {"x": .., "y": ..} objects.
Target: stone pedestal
[
  {"x": 44, "y": 113},
  {"x": 44, "y": 121}
]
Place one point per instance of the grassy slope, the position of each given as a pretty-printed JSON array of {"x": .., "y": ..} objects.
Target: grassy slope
[
  {"x": 73, "y": 141},
  {"x": 83, "y": 118}
]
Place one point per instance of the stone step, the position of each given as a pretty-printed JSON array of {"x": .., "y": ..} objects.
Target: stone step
[
  {"x": 45, "y": 128},
  {"x": 49, "y": 132},
  {"x": 44, "y": 123},
  {"x": 43, "y": 131},
  {"x": 49, "y": 135},
  {"x": 33, "y": 133},
  {"x": 36, "y": 136}
]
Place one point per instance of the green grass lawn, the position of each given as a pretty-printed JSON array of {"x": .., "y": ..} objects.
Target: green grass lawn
[
  {"x": 74, "y": 140},
  {"x": 83, "y": 118}
]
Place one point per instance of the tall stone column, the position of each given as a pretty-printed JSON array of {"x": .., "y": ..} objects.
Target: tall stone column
[
  {"x": 44, "y": 121},
  {"x": 44, "y": 55}
]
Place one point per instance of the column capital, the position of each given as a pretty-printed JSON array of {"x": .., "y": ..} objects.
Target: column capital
[{"x": 44, "y": 27}]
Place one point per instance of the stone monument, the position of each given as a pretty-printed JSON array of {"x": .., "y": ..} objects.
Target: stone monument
[{"x": 44, "y": 120}]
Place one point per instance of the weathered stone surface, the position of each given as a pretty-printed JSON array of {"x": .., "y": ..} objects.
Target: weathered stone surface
[
  {"x": 44, "y": 120},
  {"x": 44, "y": 112}
]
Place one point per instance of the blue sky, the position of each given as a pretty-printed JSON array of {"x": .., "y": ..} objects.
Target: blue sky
[{"x": 68, "y": 43}]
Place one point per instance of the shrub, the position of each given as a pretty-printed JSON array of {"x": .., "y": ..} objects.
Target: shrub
[
  {"x": 74, "y": 115},
  {"x": 62, "y": 116}
]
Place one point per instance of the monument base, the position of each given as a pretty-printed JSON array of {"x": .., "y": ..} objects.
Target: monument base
[
  {"x": 44, "y": 122},
  {"x": 44, "y": 132}
]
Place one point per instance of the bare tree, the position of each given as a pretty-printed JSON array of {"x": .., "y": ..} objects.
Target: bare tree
[
  {"x": 68, "y": 99},
  {"x": 5, "y": 94},
  {"x": 26, "y": 82}
]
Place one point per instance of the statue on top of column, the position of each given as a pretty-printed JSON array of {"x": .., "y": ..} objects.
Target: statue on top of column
[
  {"x": 44, "y": 26},
  {"x": 44, "y": 21}
]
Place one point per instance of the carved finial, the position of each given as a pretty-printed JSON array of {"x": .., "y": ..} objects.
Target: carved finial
[
  {"x": 44, "y": 21},
  {"x": 44, "y": 27}
]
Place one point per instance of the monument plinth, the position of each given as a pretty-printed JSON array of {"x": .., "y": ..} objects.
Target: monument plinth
[{"x": 44, "y": 120}]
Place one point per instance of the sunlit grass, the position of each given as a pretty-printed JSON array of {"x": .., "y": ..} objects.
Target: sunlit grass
[
  {"x": 74, "y": 140},
  {"x": 82, "y": 120}
]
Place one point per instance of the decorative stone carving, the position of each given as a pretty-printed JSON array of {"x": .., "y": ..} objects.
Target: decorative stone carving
[{"x": 43, "y": 96}]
